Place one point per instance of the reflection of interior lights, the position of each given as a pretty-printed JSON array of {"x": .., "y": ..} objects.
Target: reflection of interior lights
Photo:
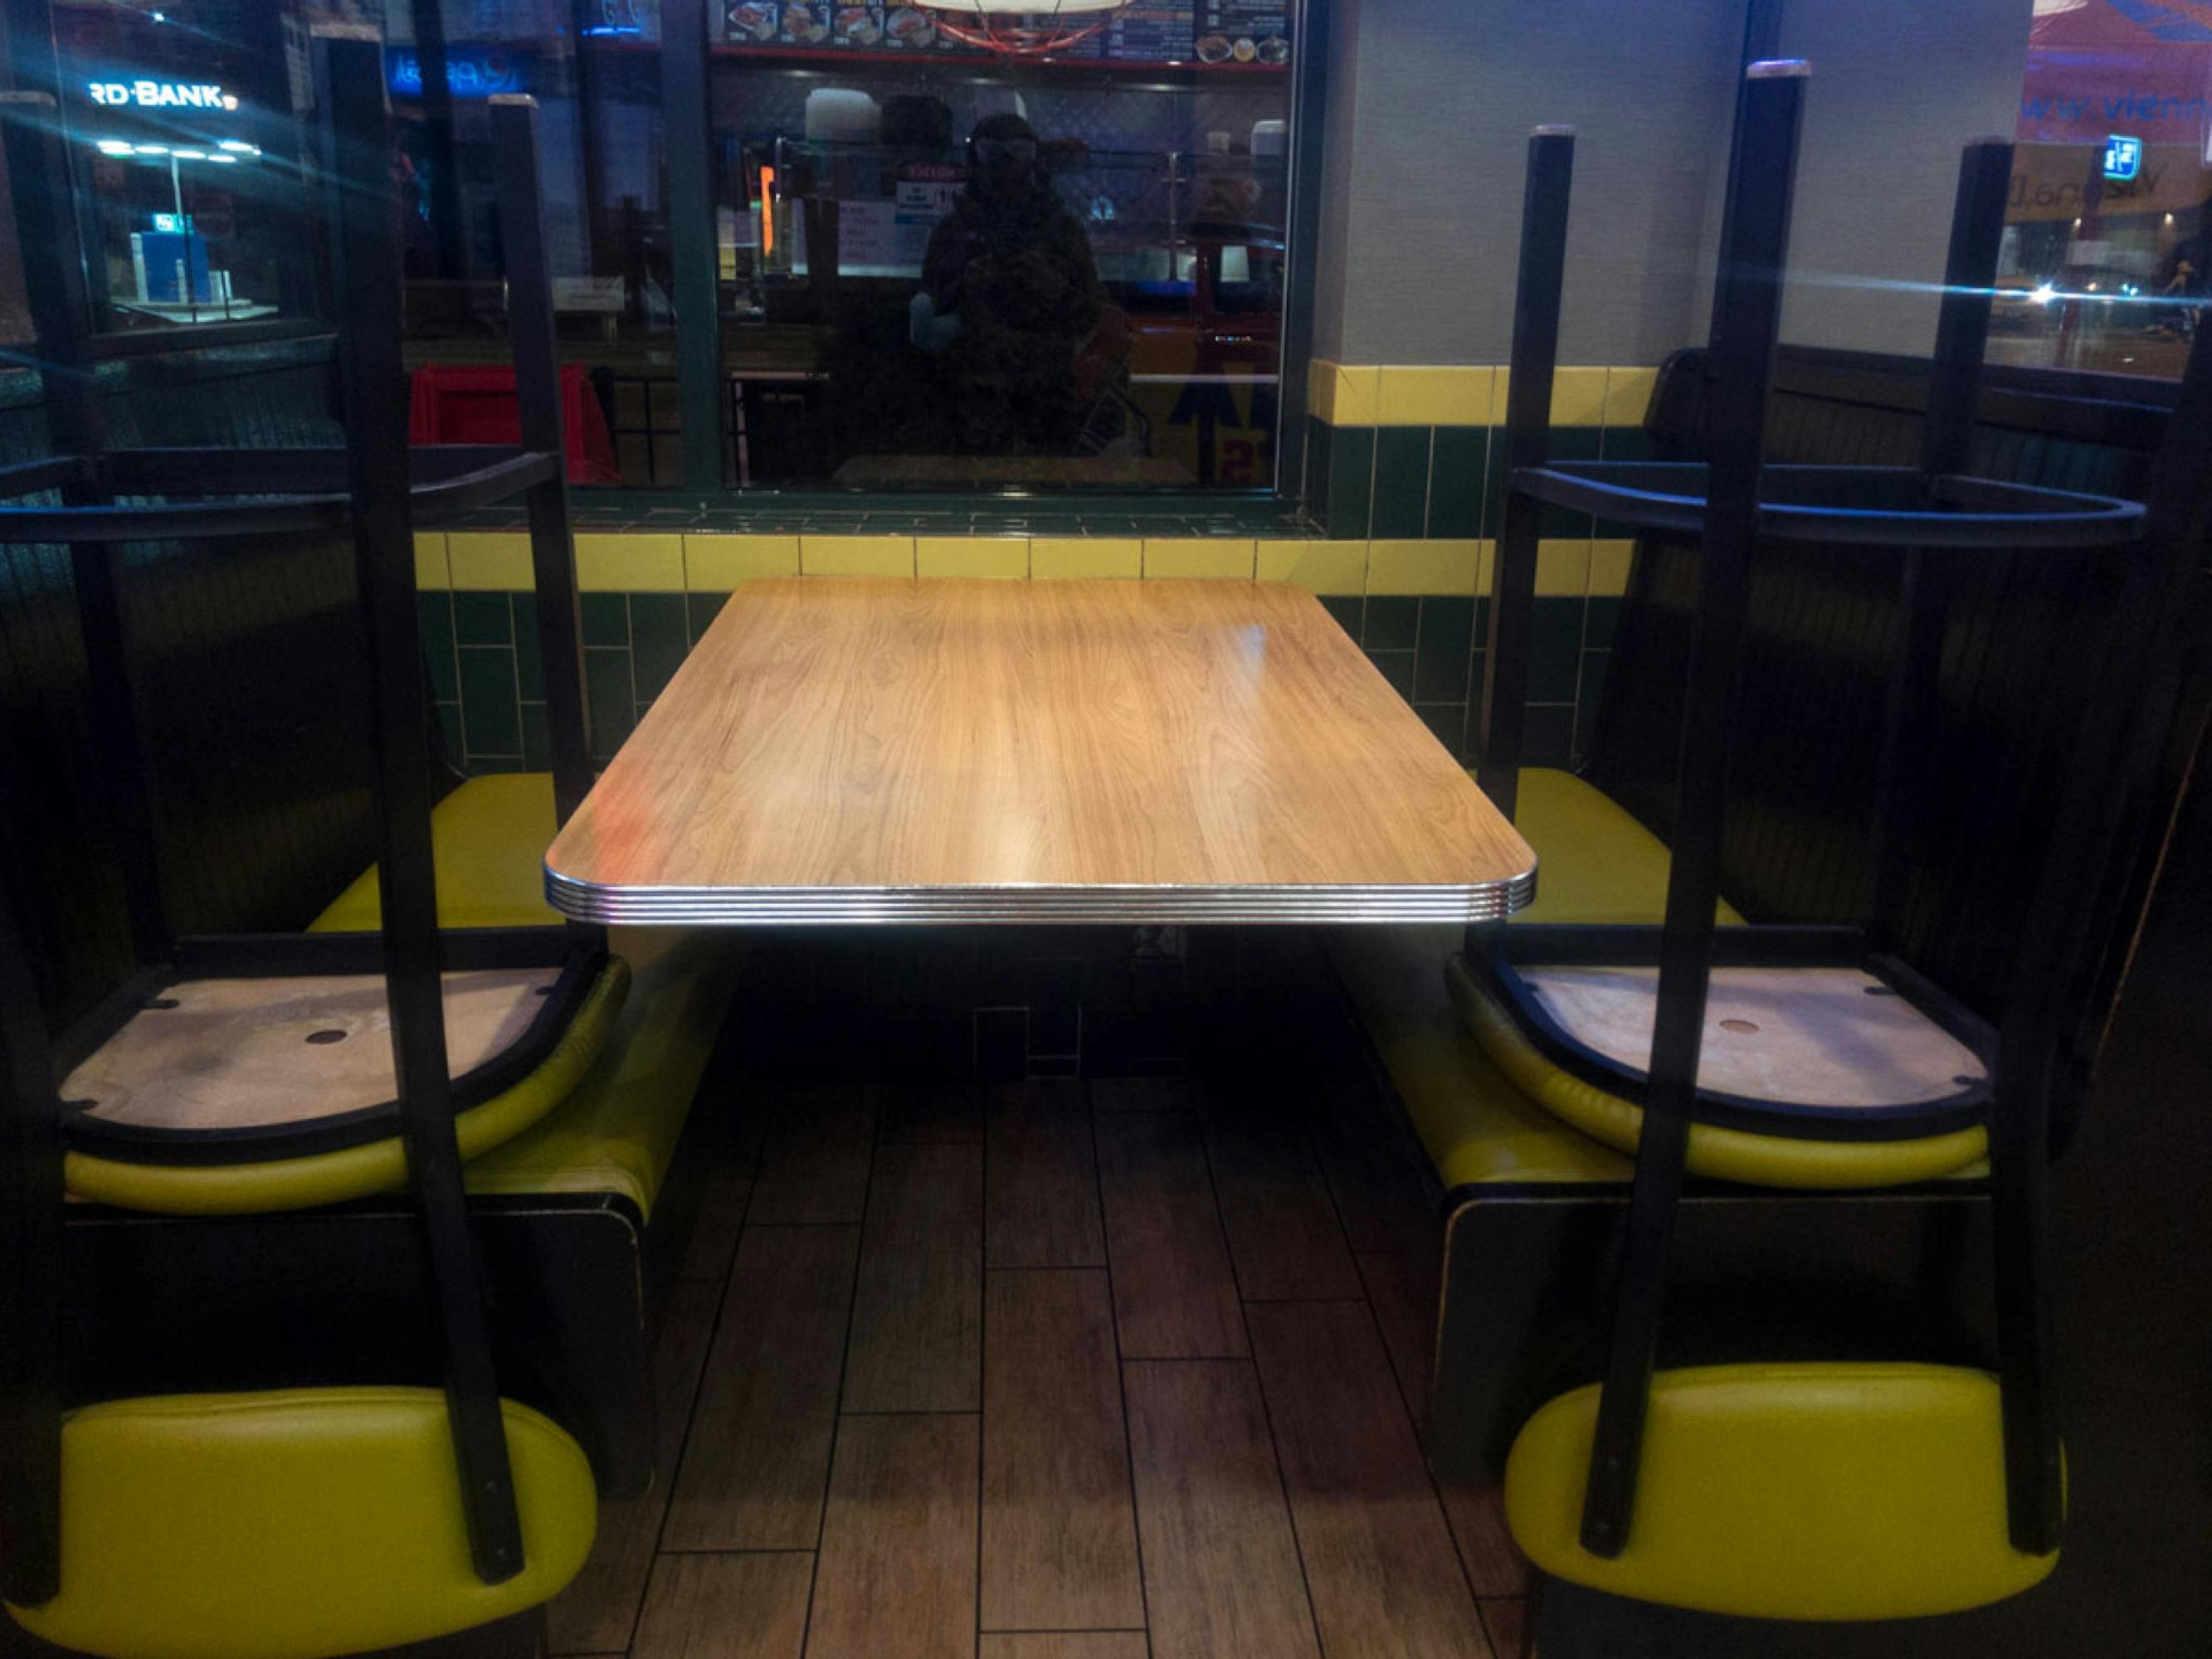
[
  {"x": 231, "y": 152},
  {"x": 2043, "y": 295}
]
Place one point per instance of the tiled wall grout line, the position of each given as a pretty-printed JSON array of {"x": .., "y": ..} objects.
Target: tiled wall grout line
[
  {"x": 629, "y": 646},
  {"x": 515, "y": 673}
]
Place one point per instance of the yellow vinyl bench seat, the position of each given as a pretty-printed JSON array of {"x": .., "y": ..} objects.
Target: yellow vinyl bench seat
[
  {"x": 489, "y": 839},
  {"x": 279, "y": 1524},
  {"x": 617, "y": 1131},
  {"x": 1476, "y": 1127},
  {"x": 261, "y": 1186},
  {"x": 1716, "y": 1152},
  {"x": 1491, "y": 1108},
  {"x": 1596, "y": 864},
  {"x": 601, "y": 1115},
  {"x": 1808, "y": 1491}
]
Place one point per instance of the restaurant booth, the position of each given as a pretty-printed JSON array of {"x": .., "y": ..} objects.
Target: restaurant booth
[{"x": 1203, "y": 828}]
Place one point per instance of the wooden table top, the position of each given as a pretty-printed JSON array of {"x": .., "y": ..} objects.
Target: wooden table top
[{"x": 891, "y": 750}]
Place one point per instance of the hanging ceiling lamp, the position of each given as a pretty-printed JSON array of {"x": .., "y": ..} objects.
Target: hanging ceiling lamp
[{"x": 1022, "y": 29}]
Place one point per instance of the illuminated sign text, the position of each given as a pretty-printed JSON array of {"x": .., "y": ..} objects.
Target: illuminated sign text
[{"x": 161, "y": 95}]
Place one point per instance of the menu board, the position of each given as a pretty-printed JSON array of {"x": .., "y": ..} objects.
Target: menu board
[
  {"x": 1229, "y": 33},
  {"x": 1243, "y": 31},
  {"x": 818, "y": 25},
  {"x": 1143, "y": 33}
]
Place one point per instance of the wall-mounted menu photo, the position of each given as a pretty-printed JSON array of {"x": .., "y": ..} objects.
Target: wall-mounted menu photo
[
  {"x": 1240, "y": 33},
  {"x": 1210, "y": 33},
  {"x": 752, "y": 21},
  {"x": 859, "y": 26}
]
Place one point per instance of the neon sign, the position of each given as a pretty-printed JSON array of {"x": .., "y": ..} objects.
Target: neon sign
[
  {"x": 161, "y": 95},
  {"x": 471, "y": 72}
]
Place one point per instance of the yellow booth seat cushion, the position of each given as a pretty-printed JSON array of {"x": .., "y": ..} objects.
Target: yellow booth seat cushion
[
  {"x": 1477, "y": 1127},
  {"x": 291, "y": 1525},
  {"x": 1722, "y": 1154},
  {"x": 489, "y": 838},
  {"x": 332, "y": 1177},
  {"x": 1803, "y": 1492},
  {"x": 617, "y": 1131},
  {"x": 1595, "y": 863}
]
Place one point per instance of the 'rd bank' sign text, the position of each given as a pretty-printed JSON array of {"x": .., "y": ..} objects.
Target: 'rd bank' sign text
[{"x": 162, "y": 94}]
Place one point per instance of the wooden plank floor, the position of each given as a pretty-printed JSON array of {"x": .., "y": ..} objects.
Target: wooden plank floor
[{"x": 1055, "y": 1371}]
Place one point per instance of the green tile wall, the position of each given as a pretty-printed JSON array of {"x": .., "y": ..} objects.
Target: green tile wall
[
  {"x": 1398, "y": 499},
  {"x": 1458, "y": 463},
  {"x": 485, "y": 675},
  {"x": 489, "y": 682},
  {"x": 1431, "y": 650},
  {"x": 1402, "y": 482}
]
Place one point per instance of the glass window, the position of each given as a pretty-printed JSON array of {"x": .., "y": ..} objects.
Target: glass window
[
  {"x": 183, "y": 127},
  {"x": 949, "y": 263},
  {"x": 2105, "y": 252},
  {"x": 594, "y": 67}
]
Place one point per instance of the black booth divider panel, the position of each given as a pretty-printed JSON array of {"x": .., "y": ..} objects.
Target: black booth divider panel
[
  {"x": 250, "y": 671},
  {"x": 2023, "y": 635}
]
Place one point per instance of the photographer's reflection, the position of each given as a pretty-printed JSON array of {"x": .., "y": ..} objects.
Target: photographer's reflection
[{"x": 1010, "y": 292}]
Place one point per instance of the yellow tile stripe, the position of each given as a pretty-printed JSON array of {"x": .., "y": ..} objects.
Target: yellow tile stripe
[
  {"x": 1428, "y": 566},
  {"x": 491, "y": 560},
  {"x": 1426, "y": 394},
  {"x": 1007, "y": 557},
  {"x": 1341, "y": 395},
  {"x": 629, "y": 562},
  {"x": 856, "y": 556},
  {"x": 1332, "y": 567},
  {"x": 1608, "y": 569},
  {"x": 1418, "y": 396},
  {"x": 626, "y": 562},
  {"x": 1085, "y": 555},
  {"x": 431, "y": 570},
  {"x": 1222, "y": 556},
  {"x": 716, "y": 564}
]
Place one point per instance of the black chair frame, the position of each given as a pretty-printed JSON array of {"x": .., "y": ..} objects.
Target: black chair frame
[
  {"x": 1929, "y": 518},
  {"x": 372, "y": 488}
]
